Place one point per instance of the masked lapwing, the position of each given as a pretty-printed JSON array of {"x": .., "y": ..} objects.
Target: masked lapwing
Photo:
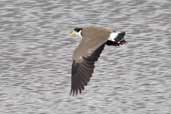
[{"x": 93, "y": 41}]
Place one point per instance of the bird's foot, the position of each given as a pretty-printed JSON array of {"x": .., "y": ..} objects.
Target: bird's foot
[{"x": 123, "y": 42}]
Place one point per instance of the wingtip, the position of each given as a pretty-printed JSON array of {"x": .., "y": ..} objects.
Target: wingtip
[
  {"x": 72, "y": 92},
  {"x": 75, "y": 92}
]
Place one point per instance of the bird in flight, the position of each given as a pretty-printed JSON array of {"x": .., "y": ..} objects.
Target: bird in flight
[{"x": 93, "y": 41}]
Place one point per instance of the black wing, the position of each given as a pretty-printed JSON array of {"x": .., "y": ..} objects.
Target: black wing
[{"x": 82, "y": 72}]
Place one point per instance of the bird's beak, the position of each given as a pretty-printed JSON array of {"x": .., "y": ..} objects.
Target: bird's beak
[{"x": 73, "y": 34}]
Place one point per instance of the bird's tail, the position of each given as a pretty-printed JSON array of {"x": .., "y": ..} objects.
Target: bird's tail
[{"x": 120, "y": 36}]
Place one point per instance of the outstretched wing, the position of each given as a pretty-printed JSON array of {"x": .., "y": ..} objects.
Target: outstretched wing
[{"x": 82, "y": 70}]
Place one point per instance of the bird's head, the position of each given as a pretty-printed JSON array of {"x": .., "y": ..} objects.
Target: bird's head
[{"x": 76, "y": 32}]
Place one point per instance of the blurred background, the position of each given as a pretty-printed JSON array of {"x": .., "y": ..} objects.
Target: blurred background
[{"x": 36, "y": 57}]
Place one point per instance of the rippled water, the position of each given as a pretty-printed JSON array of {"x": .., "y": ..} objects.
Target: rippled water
[{"x": 36, "y": 50}]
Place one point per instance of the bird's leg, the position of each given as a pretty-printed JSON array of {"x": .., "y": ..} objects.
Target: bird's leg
[
  {"x": 109, "y": 43},
  {"x": 115, "y": 43},
  {"x": 112, "y": 43}
]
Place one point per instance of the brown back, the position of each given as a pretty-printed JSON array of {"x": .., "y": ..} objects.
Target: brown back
[{"x": 93, "y": 37}]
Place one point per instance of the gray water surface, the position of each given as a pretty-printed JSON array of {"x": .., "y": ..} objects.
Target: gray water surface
[{"x": 36, "y": 51}]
